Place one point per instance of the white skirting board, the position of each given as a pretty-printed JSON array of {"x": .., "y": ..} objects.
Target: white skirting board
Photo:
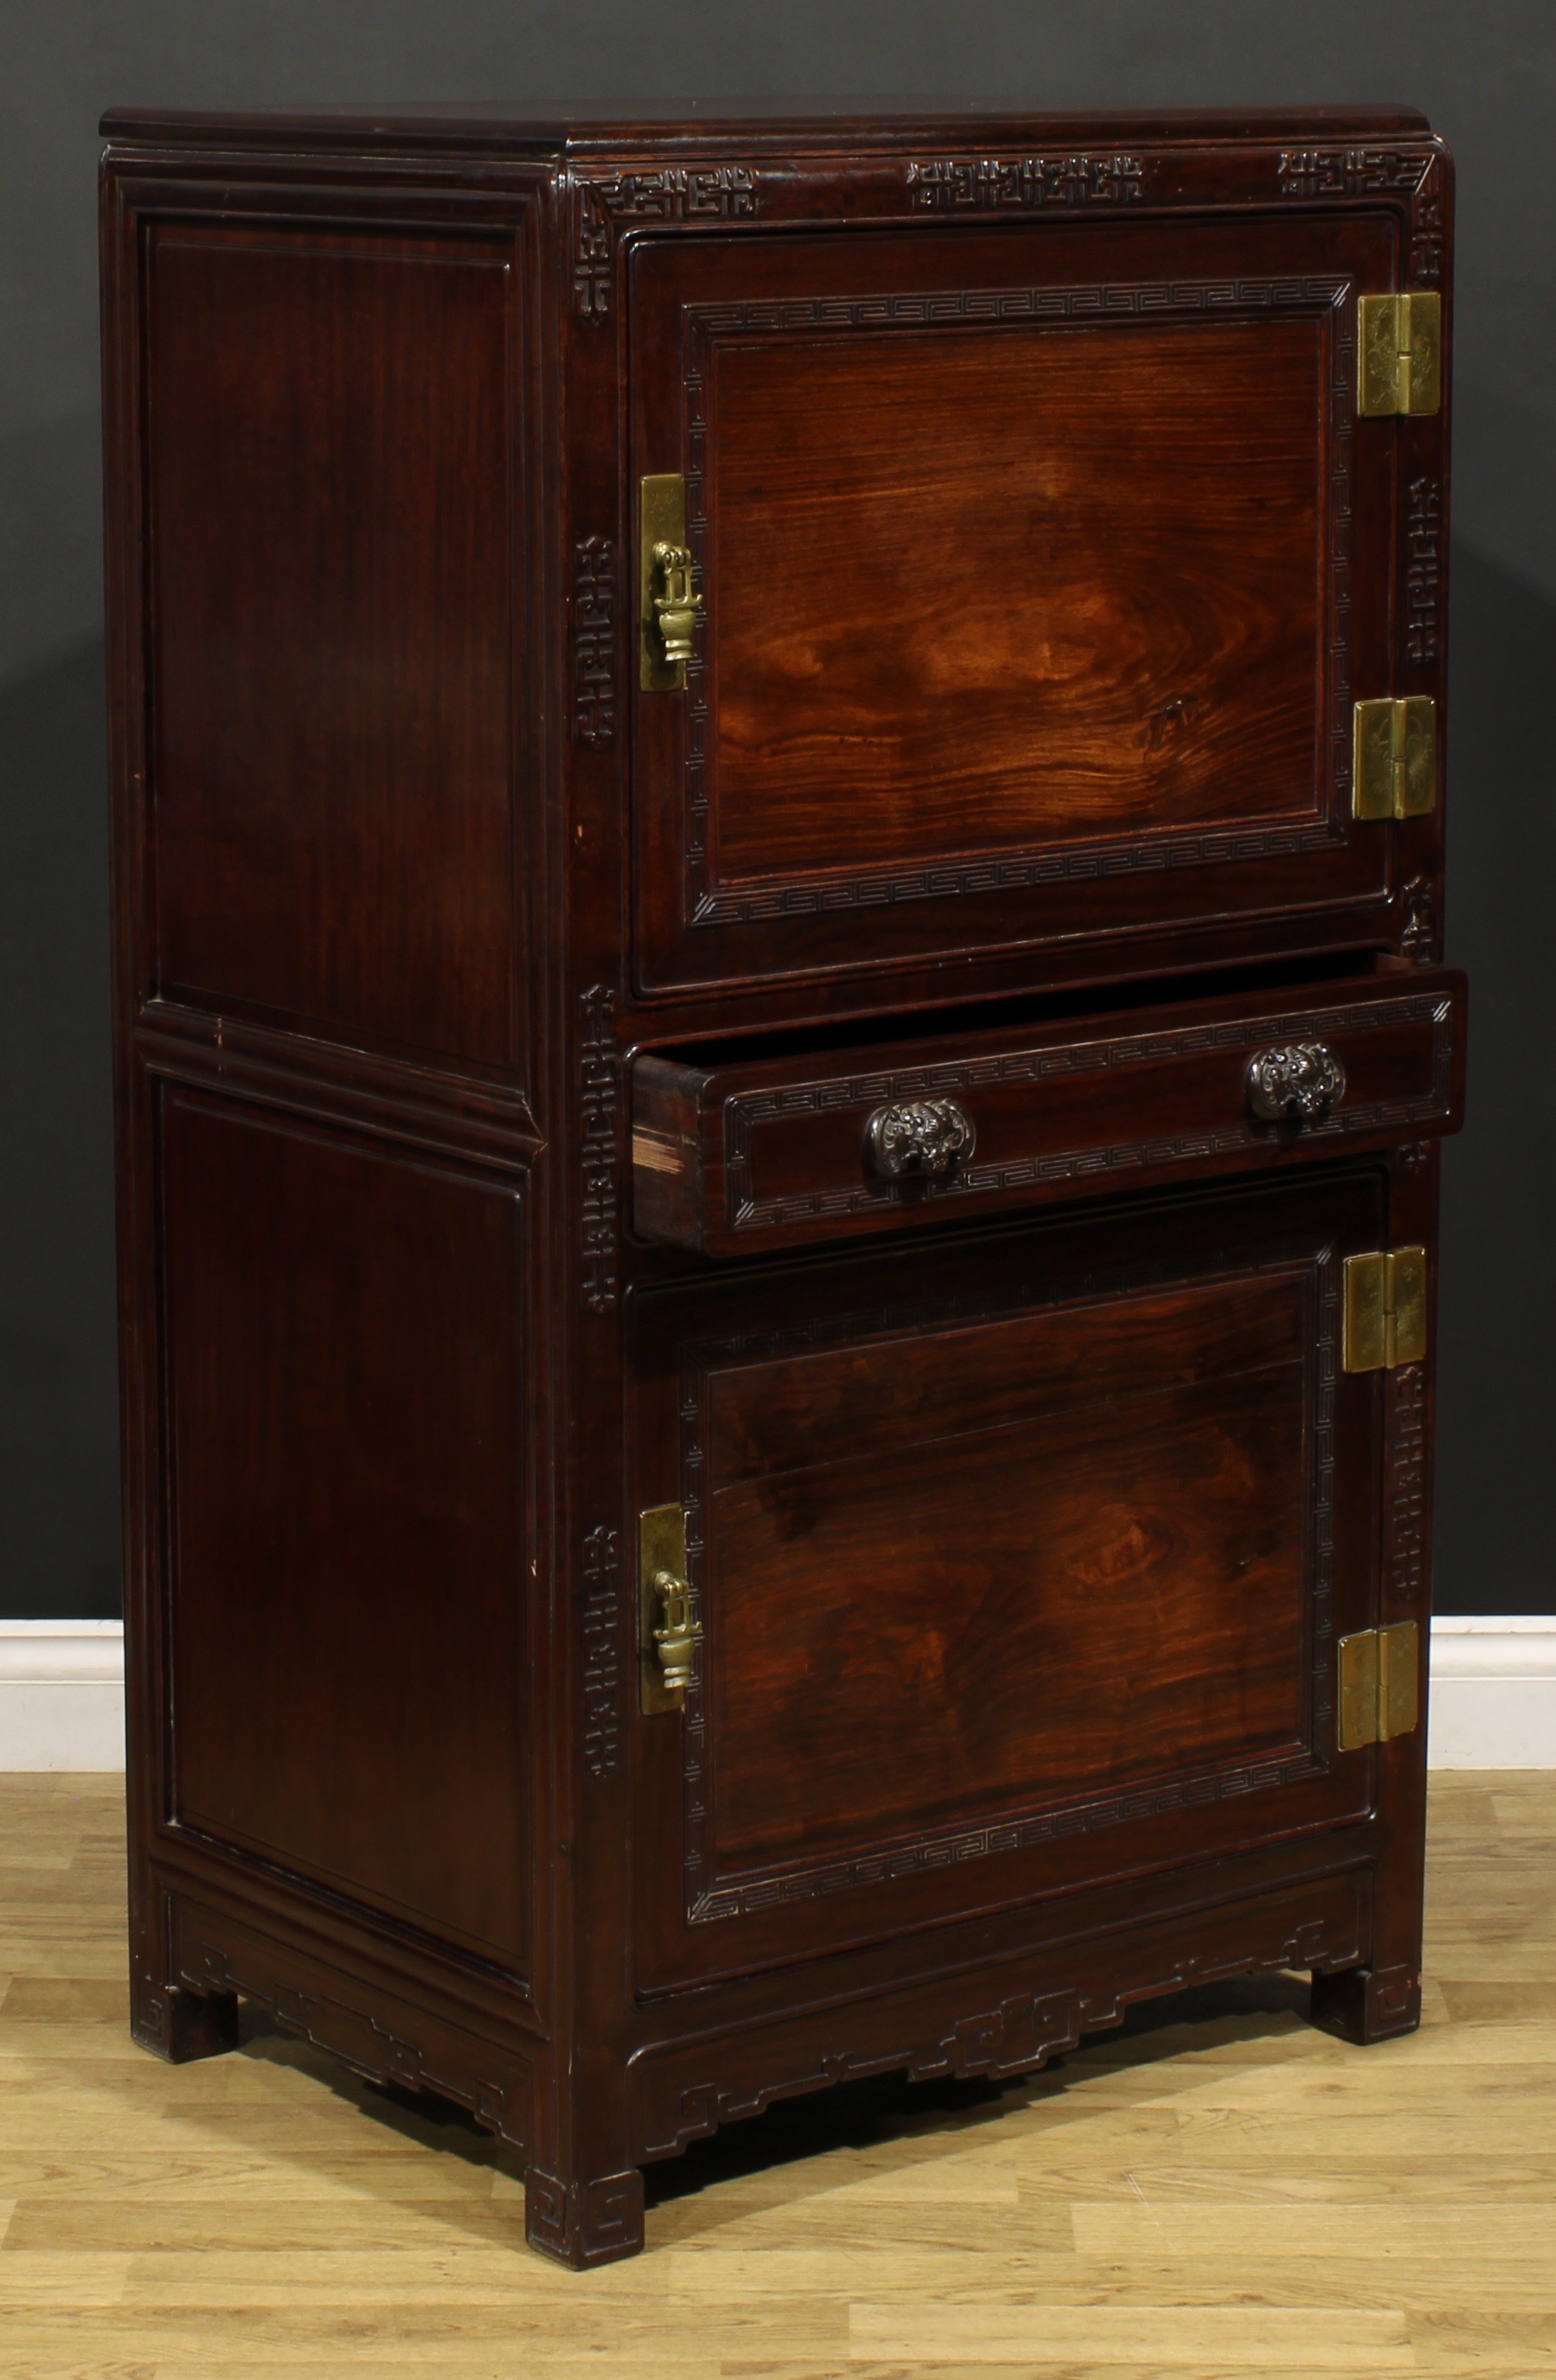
[
  {"x": 61, "y": 1694},
  {"x": 1493, "y": 1694}
]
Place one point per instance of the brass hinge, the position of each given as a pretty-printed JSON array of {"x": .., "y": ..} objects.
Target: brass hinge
[
  {"x": 667, "y": 1634},
  {"x": 1399, "y": 353},
  {"x": 1394, "y": 760},
  {"x": 1385, "y": 1309},
  {"x": 1379, "y": 1684}
]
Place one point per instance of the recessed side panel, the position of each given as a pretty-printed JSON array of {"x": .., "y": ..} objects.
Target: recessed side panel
[
  {"x": 333, "y": 560},
  {"x": 343, "y": 1385}
]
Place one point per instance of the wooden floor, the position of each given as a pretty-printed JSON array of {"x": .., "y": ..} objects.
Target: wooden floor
[{"x": 1216, "y": 2191}]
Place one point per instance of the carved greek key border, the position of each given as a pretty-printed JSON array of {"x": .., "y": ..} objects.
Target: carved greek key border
[
  {"x": 602, "y": 1650},
  {"x": 865, "y": 1092},
  {"x": 1055, "y": 178},
  {"x": 1406, "y": 1578},
  {"x": 599, "y": 1155},
  {"x": 710, "y": 1897},
  {"x": 710, "y": 903},
  {"x": 1423, "y": 568},
  {"x": 594, "y": 640}
]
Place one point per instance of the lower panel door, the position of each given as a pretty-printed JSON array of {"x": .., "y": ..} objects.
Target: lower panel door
[{"x": 1020, "y": 1564}]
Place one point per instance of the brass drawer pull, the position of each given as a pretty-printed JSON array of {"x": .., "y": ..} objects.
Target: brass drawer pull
[
  {"x": 1298, "y": 1082},
  {"x": 918, "y": 1136}
]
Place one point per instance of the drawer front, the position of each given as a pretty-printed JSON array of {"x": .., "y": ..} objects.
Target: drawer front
[
  {"x": 1039, "y": 570},
  {"x": 764, "y": 1155}
]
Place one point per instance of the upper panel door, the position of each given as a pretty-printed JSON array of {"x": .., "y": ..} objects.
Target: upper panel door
[{"x": 1040, "y": 567}]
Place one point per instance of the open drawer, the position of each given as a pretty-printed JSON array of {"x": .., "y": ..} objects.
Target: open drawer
[{"x": 764, "y": 1153}]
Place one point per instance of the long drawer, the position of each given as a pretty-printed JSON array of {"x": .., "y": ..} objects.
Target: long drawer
[{"x": 768, "y": 1152}]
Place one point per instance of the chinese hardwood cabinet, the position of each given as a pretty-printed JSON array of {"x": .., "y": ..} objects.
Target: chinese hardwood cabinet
[{"x": 780, "y": 1052}]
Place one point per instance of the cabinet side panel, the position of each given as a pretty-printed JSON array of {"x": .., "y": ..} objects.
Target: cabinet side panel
[
  {"x": 333, "y": 582},
  {"x": 345, "y": 1433}
]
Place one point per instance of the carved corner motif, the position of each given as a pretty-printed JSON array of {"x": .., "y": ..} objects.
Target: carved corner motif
[
  {"x": 953, "y": 183},
  {"x": 1364, "y": 172},
  {"x": 1423, "y": 569},
  {"x": 1350, "y": 172},
  {"x": 599, "y": 1164},
  {"x": 1364, "y": 2004},
  {"x": 663, "y": 194},
  {"x": 594, "y": 640},
  {"x": 584, "y": 2223},
  {"x": 602, "y": 1656}
]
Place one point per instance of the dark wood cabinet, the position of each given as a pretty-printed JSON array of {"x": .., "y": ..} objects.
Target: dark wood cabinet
[{"x": 780, "y": 1040}]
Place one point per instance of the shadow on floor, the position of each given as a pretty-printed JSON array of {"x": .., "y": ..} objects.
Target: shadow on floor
[{"x": 867, "y": 2114}]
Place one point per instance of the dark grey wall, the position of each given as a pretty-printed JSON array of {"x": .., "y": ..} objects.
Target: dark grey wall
[{"x": 1483, "y": 72}]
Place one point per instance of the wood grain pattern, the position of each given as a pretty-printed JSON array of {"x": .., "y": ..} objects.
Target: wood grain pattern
[
  {"x": 332, "y": 551},
  {"x": 980, "y": 591},
  {"x": 1213, "y": 2191},
  {"x": 346, "y": 1421}
]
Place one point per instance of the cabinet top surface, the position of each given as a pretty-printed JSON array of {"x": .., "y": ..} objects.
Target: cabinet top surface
[{"x": 518, "y": 126}]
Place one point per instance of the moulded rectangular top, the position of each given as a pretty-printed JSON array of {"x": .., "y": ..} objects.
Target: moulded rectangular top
[{"x": 517, "y": 124}]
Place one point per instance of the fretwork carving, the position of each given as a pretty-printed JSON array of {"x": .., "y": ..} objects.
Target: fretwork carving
[
  {"x": 599, "y": 1115},
  {"x": 950, "y": 183},
  {"x": 601, "y": 1672},
  {"x": 360, "y": 2041},
  {"x": 1405, "y": 1586},
  {"x": 662, "y": 193},
  {"x": 1423, "y": 569},
  {"x": 1022, "y": 2031},
  {"x": 594, "y": 639}
]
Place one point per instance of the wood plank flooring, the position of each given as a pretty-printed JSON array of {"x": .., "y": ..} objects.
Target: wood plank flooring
[{"x": 1213, "y": 2193}]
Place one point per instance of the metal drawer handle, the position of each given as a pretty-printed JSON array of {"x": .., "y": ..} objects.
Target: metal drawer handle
[
  {"x": 1298, "y": 1082},
  {"x": 918, "y": 1136}
]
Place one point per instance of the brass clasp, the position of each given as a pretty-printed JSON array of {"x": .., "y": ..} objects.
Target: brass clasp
[
  {"x": 668, "y": 609},
  {"x": 667, "y": 1634}
]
